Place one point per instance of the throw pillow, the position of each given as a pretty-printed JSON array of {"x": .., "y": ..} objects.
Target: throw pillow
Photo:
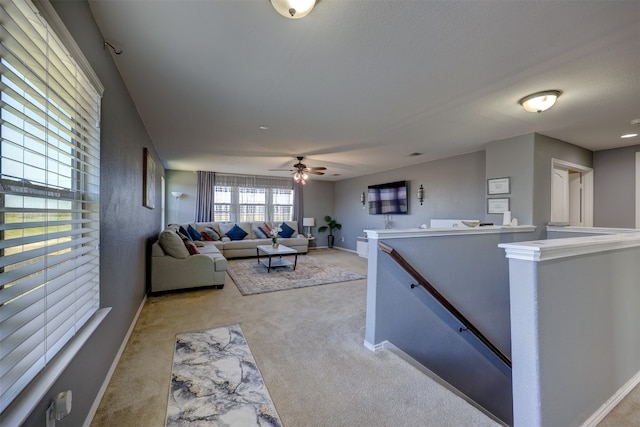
[
  {"x": 259, "y": 233},
  {"x": 266, "y": 228},
  {"x": 181, "y": 230},
  {"x": 172, "y": 244},
  {"x": 286, "y": 231},
  {"x": 191, "y": 247},
  {"x": 265, "y": 232},
  {"x": 210, "y": 234},
  {"x": 236, "y": 233},
  {"x": 193, "y": 233}
]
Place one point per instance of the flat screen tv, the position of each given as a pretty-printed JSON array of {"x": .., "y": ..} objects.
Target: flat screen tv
[{"x": 388, "y": 199}]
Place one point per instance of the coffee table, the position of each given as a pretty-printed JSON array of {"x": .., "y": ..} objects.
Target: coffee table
[{"x": 270, "y": 251}]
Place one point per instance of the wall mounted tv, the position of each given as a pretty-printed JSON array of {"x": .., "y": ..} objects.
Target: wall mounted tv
[{"x": 388, "y": 199}]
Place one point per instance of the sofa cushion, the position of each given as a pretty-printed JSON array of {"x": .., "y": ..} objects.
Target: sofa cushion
[
  {"x": 191, "y": 247},
  {"x": 236, "y": 233},
  {"x": 210, "y": 234},
  {"x": 184, "y": 233},
  {"x": 286, "y": 231},
  {"x": 172, "y": 244},
  {"x": 195, "y": 235},
  {"x": 259, "y": 233}
]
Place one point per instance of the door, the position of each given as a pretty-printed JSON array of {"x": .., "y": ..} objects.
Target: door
[{"x": 560, "y": 196}]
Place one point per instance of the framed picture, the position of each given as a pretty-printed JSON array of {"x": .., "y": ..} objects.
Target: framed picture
[
  {"x": 148, "y": 181},
  {"x": 499, "y": 186},
  {"x": 497, "y": 206}
]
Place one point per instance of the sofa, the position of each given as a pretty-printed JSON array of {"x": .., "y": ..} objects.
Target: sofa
[{"x": 195, "y": 254}]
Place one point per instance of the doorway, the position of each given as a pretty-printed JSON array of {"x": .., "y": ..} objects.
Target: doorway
[{"x": 571, "y": 194}]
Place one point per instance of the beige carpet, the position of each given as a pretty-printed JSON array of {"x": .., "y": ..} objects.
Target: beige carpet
[
  {"x": 308, "y": 345},
  {"x": 252, "y": 277}
]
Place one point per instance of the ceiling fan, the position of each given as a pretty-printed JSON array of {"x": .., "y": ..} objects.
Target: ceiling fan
[{"x": 301, "y": 171}]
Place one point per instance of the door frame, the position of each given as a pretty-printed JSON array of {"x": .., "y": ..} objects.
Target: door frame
[{"x": 587, "y": 186}]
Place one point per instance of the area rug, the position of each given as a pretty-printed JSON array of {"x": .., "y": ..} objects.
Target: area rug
[
  {"x": 252, "y": 277},
  {"x": 215, "y": 382}
]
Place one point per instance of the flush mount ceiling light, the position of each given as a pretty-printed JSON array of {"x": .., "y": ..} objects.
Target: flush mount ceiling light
[
  {"x": 540, "y": 101},
  {"x": 293, "y": 9}
]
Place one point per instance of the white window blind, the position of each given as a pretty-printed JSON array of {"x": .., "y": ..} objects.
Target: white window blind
[{"x": 49, "y": 196}]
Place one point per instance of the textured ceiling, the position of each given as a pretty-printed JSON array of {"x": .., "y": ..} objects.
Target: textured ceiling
[{"x": 357, "y": 85}]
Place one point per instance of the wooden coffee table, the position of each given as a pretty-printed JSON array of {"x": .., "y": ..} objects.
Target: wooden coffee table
[{"x": 270, "y": 251}]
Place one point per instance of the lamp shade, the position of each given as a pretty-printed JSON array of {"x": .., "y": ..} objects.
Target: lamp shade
[
  {"x": 176, "y": 194},
  {"x": 308, "y": 222}
]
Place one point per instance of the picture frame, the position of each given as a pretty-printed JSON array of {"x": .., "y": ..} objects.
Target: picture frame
[
  {"x": 499, "y": 185},
  {"x": 498, "y": 205},
  {"x": 148, "y": 180}
]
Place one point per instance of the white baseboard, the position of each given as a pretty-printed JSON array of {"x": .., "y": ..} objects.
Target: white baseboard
[
  {"x": 345, "y": 249},
  {"x": 373, "y": 347},
  {"x": 602, "y": 412},
  {"x": 105, "y": 383}
]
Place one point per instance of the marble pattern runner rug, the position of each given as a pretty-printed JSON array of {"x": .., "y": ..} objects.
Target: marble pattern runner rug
[
  {"x": 252, "y": 277},
  {"x": 215, "y": 382}
]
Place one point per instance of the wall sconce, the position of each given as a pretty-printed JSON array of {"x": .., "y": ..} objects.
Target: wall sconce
[
  {"x": 363, "y": 199},
  {"x": 421, "y": 194},
  {"x": 177, "y": 195}
]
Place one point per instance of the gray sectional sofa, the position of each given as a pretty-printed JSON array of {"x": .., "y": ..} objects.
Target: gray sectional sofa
[{"x": 174, "y": 267}]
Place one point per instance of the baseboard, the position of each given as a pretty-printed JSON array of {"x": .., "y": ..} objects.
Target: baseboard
[
  {"x": 608, "y": 406},
  {"x": 345, "y": 249},
  {"x": 373, "y": 347},
  {"x": 114, "y": 364}
]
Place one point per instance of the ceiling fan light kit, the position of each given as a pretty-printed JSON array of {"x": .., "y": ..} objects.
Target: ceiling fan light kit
[
  {"x": 301, "y": 171},
  {"x": 540, "y": 101},
  {"x": 293, "y": 9}
]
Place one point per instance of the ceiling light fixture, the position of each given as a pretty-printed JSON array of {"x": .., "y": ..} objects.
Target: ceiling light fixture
[
  {"x": 629, "y": 135},
  {"x": 293, "y": 9},
  {"x": 540, "y": 101}
]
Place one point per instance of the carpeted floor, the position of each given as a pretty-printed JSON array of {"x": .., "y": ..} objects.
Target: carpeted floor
[
  {"x": 251, "y": 277},
  {"x": 308, "y": 345}
]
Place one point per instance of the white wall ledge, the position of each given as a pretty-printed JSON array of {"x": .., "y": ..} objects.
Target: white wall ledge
[
  {"x": 592, "y": 230},
  {"x": 402, "y": 233},
  {"x": 544, "y": 250}
]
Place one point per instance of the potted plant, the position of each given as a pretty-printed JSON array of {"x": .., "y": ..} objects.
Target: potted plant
[{"x": 331, "y": 224}]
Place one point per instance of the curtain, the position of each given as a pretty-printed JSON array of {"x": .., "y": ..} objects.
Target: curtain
[
  {"x": 204, "y": 196},
  {"x": 298, "y": 204}
]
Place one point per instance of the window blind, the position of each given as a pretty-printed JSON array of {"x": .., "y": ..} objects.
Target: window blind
[{"x": 49, "y": 196}]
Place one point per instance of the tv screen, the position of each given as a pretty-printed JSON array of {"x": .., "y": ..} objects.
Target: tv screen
[{"x": 388, "y": 199}]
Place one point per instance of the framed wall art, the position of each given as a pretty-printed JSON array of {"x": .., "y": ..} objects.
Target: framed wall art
[
  {"x": 499, "y": 185},
  {"x": 148, "y": 181},
  {"x": 497, "y": 206}
]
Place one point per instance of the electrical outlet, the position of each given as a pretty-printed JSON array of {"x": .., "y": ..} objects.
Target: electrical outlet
[
  {"x": 51, "y": 415},
  {"x": 342, "y": 239}
]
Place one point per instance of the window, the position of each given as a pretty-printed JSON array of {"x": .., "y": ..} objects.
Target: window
[
  {"x": 49, "y": 197},
  {"x": 250, "y": 198}
]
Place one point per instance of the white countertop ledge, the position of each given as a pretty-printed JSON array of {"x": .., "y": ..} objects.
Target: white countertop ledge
[
  {"x": 401, "y": 233},
  {"x": 544, "y": 250}
]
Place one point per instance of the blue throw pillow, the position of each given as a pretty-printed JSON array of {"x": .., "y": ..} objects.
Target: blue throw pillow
[
  {"x": 236, "y": 233},
  {"x": 259, "y": 233},
  {"x": 185, "y": 233},
  {"x": 193, "y": 233},
  {"x": 286, "y": 231}
]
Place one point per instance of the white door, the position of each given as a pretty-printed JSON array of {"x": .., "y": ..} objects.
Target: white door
[
  {"x": 575, "y": 199},
  {"x": 560, "y": 196}
]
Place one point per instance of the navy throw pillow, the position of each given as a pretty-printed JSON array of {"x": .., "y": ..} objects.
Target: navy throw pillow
[
  {"x": 286, "y": 231},
  {"x": 193, "y": 233},
  {"x": 236, "y": 233},
  {"x": 185, "y": 233}
]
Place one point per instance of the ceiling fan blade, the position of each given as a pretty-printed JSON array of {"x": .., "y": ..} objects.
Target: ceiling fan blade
[
  {"x": 282, "y": 170},
  {"x": 318, "y": 168},
  {"x": 315, "y": 172}
]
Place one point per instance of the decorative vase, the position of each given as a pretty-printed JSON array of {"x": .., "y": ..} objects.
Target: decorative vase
[
  {"x": 275, "y": 244},
  {"x": 330, "y": 239}
]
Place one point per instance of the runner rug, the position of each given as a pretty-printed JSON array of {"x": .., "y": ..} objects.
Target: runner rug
[
  {"x": 252, "y": 277},
  {"x": 215, "y": 382}
]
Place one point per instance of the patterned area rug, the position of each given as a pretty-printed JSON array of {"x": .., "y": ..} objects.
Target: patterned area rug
[
  {"x": 251, "y": 277},
  {"x": 215, "y": 382}
]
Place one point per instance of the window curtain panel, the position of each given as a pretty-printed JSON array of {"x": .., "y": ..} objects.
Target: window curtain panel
[
  {"x": 204, "y": 196},
  {"x": 298, "y": 204}
]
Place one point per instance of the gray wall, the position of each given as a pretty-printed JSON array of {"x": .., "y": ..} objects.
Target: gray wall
[
  {"x": 614, "y": 187},
  {"x": 454, "y": 188},
  {"x": 127, "y": 228}
]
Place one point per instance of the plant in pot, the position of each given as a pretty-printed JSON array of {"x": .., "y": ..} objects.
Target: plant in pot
[{"x": 331, "y": 224}]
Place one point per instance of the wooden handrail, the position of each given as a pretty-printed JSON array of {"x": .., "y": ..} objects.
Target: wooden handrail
[{"x": 443, "y": 301}]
